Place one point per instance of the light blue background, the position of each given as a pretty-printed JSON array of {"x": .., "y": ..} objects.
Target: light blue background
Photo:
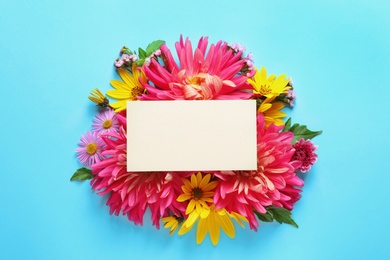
[{"x": 52, "y": 53}]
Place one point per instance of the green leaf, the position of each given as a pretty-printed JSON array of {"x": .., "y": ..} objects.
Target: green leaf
[
  {"x": 281, "y": 215},
  {"x": 141, "y": 53},
  {"x": 140, "y": 62},
  {"x": 287, "y": 125},
  {"x": 82, "y": 174},
  {"x": 153, "y": 46},
  {"x": 267, "y": 217},
  {"x": 300, "y": 131}
]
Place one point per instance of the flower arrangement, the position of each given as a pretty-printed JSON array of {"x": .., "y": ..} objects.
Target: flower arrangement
[{"x": 207, "y": 201}]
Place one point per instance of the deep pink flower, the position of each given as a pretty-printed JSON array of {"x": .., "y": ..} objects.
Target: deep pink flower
[
  {"x": 132, "y": 193},
  {"x": 271, "y": 184},
  {"x": 90, "y": 148},
  {"x": 215, "y": 74},
  {"x": 304, "y": 152}
]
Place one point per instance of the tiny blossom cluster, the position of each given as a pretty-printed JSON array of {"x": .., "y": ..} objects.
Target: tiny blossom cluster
[
  {"x": 236, "y": 47},
  {"x": 155, "y": 54},
  {"x": 125, "y": 59},
  {"x": 250, "y": 64},
  {"x": 290, "y": 97},
  {"x": 249, "y": 69}
]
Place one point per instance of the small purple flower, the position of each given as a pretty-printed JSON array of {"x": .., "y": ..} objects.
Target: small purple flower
[
  {"x": 91, "y": 146},
  {"x": 106, "y": 121}
]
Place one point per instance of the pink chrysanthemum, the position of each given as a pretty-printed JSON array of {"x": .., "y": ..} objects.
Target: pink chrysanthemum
[
  {"x": 106, "y": 121},
  {"x": 304, "y": 152},
  {"x": 132, "y": 193},
  {"x": 91, "y": 148},
  {"x": 212, "y": 75},
  {"x": 247, "y": 191}
]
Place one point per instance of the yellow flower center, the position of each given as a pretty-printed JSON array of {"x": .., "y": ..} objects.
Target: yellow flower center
[
  {"x": 265, "y": 89},
  {"x": 136, "y": 91},
  {"x": 107, "y": 124},
  {"x": 196, "y": 81},
  {"x": 197, "y": 193},
  {"x": 91, "y": 148}
]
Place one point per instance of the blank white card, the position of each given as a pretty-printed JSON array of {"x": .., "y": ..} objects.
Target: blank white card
[{"x": 207, "y": 135}]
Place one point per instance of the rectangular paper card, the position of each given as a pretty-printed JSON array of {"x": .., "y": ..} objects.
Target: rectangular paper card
[{"x": 210, "y": 135}]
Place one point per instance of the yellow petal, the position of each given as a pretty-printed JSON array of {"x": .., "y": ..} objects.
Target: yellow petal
[
  {"x": 194, "y": 181},
  {"x": 201, "y": 231},
  {"x": 208, "y": 194},
  {"x": 127, "y": 78},
  {"x": 227, "y": 225},
  {"x": 190, "y": 206},
  {"x": 184, "y": 229},
  {"x": 119, "y": 94},
  {"x": 119, "y": 105},
  {"x": 210, "y": 186},
  {"x": 213, "y": 229},
  {"x": 183, "y": 197},
  {"x": 199, "y": 178},
  {"x": 120, "y": 85},
  {"x": 203, "y": 182},
  {"x": 191, "y": 219},
  {"x": 238, "y": 218},
  {"x": 173, "y": 228},
  {"x": 205, "y": 213},
  {"x": 264, "y": 107},
  {"x": 187, "y": 184}
]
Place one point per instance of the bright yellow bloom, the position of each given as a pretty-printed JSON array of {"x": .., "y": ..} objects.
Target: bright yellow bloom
[
  {"x": 271, "y": 112},
  {"x": 199, "y": 191},
  {"x": 128, "y": 89},
  {"x": 268, "y": 86},
  {"x": 212, "y": 223},
  {"x": 171, "y": 222}
]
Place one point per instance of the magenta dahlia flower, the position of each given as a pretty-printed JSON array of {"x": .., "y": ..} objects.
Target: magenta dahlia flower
[
  {"x": 305, "y": 153},
  {"x": 273, "y": 183},
  {"x": 132, "y": 193},
  {"x": 215, "y": 74},
  {"x": 91, "y": 147}
]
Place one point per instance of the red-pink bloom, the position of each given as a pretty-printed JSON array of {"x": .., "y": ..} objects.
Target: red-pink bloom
[
  {"x": 247, "y": 191},
  {"x": 132, "y": 193},
  {"x": 304, "y": 152},
  {"x": 215, "y": 74}
]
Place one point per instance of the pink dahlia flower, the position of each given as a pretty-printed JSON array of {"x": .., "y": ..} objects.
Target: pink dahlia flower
[
  {"x": 305, "y": 153},
  {"x": 132, "y": 193},
  {"x": 215, "y": 74},
  {"x": 271, "y": 184}
]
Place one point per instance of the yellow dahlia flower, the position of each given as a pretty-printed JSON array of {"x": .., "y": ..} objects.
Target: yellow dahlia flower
[
  {"x": 128, "y": 89},
  {"x": 269, "y": 87},
  {"x": 271, "y": 112},
  {"x": 199, "y": 191},
  {"x": 212, "y": 224}
]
